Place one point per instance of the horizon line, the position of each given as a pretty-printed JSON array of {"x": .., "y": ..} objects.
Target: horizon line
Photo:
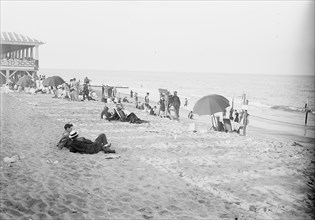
[{"x": 156, "y": 71}]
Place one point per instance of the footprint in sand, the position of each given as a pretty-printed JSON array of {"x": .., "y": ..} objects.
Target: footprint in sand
[{"x": 173, "y": 208}]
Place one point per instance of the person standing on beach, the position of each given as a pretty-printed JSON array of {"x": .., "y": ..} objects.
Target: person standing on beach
[
  {"x": 85, "y": 92},
  {"x": 176, "y": 102},
  {"x": 65, "y": 141},
  {"x": 86, "y": 146},
  {"x": 131, "y": 93},
  {"x": 231, "y": 114},
  {"x": 146, "y": 100},
  {"x": 245, "y": 122},
  {"x": 114, "y": 92},
  {"x": 166, "y": 100},
  {"x": 86, "y": 80},
  {"x": 162, "y": 106},
  {"x": 236, "y": 116}
]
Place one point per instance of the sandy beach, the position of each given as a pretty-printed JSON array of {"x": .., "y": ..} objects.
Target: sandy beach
[{"x": 161, "y": 170}]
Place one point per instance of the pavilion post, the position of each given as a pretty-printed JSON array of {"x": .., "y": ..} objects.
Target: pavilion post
[
  {"x": 32, "y": 52},
  {"x": 7, "y": 76},
  {"x": 36, "y": 53}
]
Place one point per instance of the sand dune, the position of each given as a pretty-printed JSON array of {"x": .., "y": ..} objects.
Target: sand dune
[{"x": 164, "y": 170}]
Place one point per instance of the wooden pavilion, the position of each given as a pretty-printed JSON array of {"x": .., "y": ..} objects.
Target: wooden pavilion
[{"x": 19, "y": 56}]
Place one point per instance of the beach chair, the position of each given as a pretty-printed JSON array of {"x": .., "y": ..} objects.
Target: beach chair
[
  {"x": 227, "y": 125},
  {"x": 121, "y": 114}
]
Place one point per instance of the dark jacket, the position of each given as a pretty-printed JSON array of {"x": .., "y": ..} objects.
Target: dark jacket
[
  {"x": 84, "y": 146},
  {"x": 176, "y": 100},
  {"x": 106, "y": 113}
]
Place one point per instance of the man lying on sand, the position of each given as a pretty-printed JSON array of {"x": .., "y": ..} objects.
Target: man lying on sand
[{"x": 86, "y": 146}]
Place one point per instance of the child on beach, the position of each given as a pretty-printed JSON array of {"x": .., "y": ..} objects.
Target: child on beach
[
  {"x": 190, "y": 115},
  {"x": 186, "y": 102}
]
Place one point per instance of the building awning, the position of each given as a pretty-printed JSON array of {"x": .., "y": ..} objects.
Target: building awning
[{"x": 14, "y": 38}]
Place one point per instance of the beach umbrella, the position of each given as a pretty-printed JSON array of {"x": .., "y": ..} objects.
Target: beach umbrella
[
  {"x": 211, "y": 104},
  {"x": 25, "y": 81},
  {"x": 53, "y": 81}
]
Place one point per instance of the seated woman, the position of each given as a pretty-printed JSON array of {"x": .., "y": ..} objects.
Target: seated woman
[
  {"x": 153, "y": 111},
  {"x": 108, "y": 115},
  {"x": 128, "y": 116},
  {"x": 93, "y": 96},
  {"x": 105, "y": 113},
  {"x": 125, "y": 100},
  {"x": 120, "y": 112},
  {"x": 140, "y": 106}
]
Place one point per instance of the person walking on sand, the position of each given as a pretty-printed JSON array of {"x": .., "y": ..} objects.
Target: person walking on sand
[
  {"x": 65, "y": 141},
  {"x": 86, "y": 146},
  {"x": 176, "y": 102}
]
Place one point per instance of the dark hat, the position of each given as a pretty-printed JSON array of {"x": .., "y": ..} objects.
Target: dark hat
[{"x": 68, "y": 126}]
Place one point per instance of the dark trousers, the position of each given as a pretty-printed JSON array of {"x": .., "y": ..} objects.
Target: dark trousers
[
  {"x": 86, "y": 94},
  {"x": 176, "y": 111},
  {"x": 101, "y": 139}
]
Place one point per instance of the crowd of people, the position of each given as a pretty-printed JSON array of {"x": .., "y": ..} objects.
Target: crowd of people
[
  {"x": 168, "y": 106},
  {"x": 73, "y": 90},
  {"x": 163, "y": 107}
]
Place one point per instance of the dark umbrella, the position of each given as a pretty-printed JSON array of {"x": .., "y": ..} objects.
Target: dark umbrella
[
  {"x": 53, "y": 81},
  {"x": 25, "y": 81},
  {"x": 211, "y": 104}
]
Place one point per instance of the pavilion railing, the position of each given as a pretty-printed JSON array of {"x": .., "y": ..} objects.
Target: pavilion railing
[{"x": 18, "y": 63}]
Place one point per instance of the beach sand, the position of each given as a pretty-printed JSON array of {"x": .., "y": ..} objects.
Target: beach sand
[{"x": 162, "y": 170}]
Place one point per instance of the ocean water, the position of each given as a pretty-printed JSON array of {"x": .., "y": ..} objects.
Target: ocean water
[{"x": 275, "y": 101}]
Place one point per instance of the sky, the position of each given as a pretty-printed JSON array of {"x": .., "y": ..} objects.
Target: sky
[{"x": 250, "y": 37}]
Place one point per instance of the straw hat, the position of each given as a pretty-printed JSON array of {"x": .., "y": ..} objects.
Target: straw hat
[{"x": 73, "y": 134}]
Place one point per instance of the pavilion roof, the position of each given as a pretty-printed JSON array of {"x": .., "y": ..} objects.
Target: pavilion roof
[{"x": 14, "y": 38}]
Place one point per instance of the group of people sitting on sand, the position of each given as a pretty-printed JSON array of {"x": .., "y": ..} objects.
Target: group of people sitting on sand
[{"x": 119, "y": 113}]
